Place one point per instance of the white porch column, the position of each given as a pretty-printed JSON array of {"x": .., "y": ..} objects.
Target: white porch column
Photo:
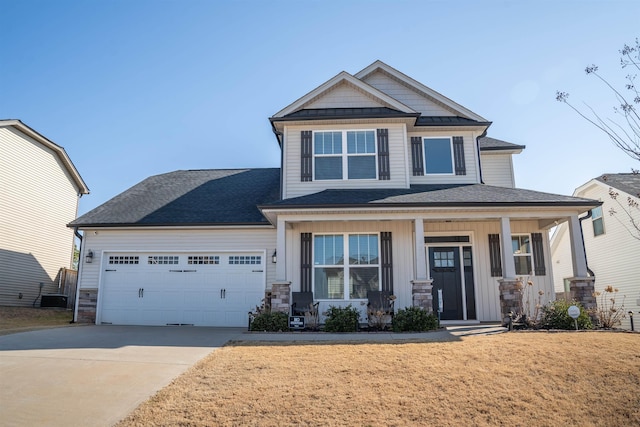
[
  {"x": 506, "y": 250},
  {"x": 578, "y": 257},
  {"x": 421, "y": 259},
  {"x": 281, "y": 252}
]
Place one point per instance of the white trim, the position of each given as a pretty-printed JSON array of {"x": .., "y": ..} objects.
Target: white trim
[{"x": 341, "y": 77}]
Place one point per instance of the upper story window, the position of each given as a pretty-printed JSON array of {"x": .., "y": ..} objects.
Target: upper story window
[
  {"x": 438, "y": 156},
  {"x": 597, "y": 221},
  {"x": 344, "y": 155}
]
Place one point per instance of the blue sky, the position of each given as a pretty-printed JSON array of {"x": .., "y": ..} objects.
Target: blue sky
[{"x": 134, "y": 88}]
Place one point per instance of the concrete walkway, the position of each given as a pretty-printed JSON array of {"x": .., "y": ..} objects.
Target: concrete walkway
[{"x": 96, "y": 375}]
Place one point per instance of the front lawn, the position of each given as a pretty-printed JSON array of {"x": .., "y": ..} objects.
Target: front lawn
[{"x": 518, "y": 378}]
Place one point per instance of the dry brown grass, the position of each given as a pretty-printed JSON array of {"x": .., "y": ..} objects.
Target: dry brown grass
[
  {"x": 532, "y": 379},
  {"x": 21, "y": 319}
]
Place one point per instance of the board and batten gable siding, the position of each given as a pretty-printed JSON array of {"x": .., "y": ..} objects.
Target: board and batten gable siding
[
  {"x": 613, "y": 256},
  {"x": 38, "y": 199},
  {"x": 294, "y": 187},
  {"x": 471, "y": 176},
  {"x": 344, "y": 95},
  {"x": 497, "y": 169},
  {"x": 415, "y": 100},
  {"x": 193, "y": 240}
]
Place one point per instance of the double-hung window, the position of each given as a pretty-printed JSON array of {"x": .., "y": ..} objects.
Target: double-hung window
[
  {"x": 438, "y": 155},
  {"x": 344, "y": 155},
  {"x": 597, "y": 221},
  {"x": 522, "y": 254},
  {"x": 361, "y": 267}
]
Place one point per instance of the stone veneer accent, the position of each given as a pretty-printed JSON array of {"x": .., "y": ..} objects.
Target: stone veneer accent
[
  {"x": 422, "y": 294},
  {"x": 281, "y": 297},
  {"x": 510, "y": 298},
  {"x": 582, "y": 289},
  {"x": 87, "y": 303}
]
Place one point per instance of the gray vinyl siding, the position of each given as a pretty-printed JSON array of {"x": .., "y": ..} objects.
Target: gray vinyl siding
[
  {"x": 38, "y": 199},
  {"x": 294, "y": 187},
  {"x": 192, "y": 240},
  {"x": 406, "y": 95},
  {"x": 344, "y": 96},
  {"x": 470, "y": 157},
  {"x": 497, "y": 169}
]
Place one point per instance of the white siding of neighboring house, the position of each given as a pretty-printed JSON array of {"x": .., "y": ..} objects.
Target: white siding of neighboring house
[
  {"x": 294, "y": 187},
  {"x": 38, "y": 198},
  {"x": 191, "y": 240},
  {"x": 406, "y": 95},
  {"x": 470, "y": 158},
  {"x": 613, "y": 256},
  {"x": 561, "y": 255},
  {"x": 344, "y": 95},
  {"x": 487, "y": 294},
  {"x": 497, "y": 169}
]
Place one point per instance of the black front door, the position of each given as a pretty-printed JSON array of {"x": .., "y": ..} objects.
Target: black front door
[{"x": 445, "y": 272}]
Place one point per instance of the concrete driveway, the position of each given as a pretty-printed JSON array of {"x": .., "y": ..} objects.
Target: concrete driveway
[{"x": 94, "y": 375}]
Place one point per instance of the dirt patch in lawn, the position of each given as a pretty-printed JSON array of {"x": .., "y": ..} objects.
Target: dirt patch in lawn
[
  {"x": 580, "y": 379},
  {"x": 22, "y": 319}
]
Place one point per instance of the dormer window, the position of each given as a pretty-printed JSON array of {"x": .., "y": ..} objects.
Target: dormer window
[{"x": 341, "y": 155}]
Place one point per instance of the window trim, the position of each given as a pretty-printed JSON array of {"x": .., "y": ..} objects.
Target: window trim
[
  {"x": 345, "y": 266},
  {"x": 451, "y": 154},
  {"x": 344, "y": 155},
  {"x": 529, "y": 254},
  {"x": 596, "y": 218}
]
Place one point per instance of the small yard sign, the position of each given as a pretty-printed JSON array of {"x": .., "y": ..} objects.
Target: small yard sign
[
  {"x": 296, "y": 322},
  {"x": 574, "y": 312}
]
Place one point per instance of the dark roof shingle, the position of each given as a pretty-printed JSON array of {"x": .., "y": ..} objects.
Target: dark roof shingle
[
  {"x": 192, "y": 197},
  {"x": 492, "y": 144},
  {"x": 627, "y": 182}
]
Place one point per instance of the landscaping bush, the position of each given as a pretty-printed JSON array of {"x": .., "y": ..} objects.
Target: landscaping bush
[
  {"x": 414, "y": 319},
  {"x": 555, "y": 316},
  {"x": 270, "y": 322},
  {"x": 342, "y": 319}
]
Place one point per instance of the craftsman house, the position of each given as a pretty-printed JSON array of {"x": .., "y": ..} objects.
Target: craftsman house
[
  {"x": 384, "y": 184},
  {"x": 39, "y": 193}
]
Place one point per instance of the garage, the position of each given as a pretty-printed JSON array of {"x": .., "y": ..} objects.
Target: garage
[{"x": 185, "y": 288}]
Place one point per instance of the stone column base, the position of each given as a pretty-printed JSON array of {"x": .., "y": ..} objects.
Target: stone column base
[
  {"x": 281, "y": 297},
  {"x": 422, "y": 294},
  {"x": 87, "y": 305},
  {"x": 510, "y": 298},
  {"x": 582, "y": 289}
]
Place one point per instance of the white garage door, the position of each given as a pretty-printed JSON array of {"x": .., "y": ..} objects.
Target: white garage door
[{"x": 200, "y": 289}]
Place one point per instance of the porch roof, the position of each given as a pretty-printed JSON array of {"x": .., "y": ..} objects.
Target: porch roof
[{"x": 431, "y": 195}]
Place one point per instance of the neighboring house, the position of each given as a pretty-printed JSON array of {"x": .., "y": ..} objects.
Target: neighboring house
[
  {"x": 612, "y": 242},
  {"x": 39, "y": 193},
  {"x": 380, "y": 188}
]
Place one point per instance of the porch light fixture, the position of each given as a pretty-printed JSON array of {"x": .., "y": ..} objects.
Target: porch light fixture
[
  {"x": 274, "y": 257},
  {"x": 89, "y": 257}
]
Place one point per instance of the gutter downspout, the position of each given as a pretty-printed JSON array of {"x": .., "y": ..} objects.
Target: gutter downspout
[
  {"x": 478, "y": 151},
  {"x": 584, "y": 248},
  {"x": 280, "y": 137},
  {"x": 80, "y": 258}
]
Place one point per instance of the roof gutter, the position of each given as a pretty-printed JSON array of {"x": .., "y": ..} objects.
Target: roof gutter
[{"x": 478, "y": 153}]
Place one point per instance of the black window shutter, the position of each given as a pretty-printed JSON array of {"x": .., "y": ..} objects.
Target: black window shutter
[
  {"x": 305, "y": 262},
  {"x": 416, "y": 155},
  {"x": 458, "y": 155},
  {"x": 306, "y": 168},
  {"x": 494, "y": 255},
  {"x": 386, "y": 261},
  {"x": 538, "y": 254},
  {"x": 384, "y": 174}
]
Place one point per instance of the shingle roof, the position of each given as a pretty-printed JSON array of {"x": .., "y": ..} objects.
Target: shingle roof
[
  {"x": 447, "y": 121},
  {"x": 191, "y": 197},
  {"x": 491, "y": 144},
  {"x": 627, "y": 182},
  {"x": 435, "y": 195},
  {"x": 344, "y": 113}
]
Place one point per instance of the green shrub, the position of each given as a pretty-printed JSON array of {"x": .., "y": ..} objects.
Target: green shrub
[
  {"x": 342, "y": 319},
  {"x": 270, "y": 322},
  {"x": 555, "y": 316},
  {"x": 414, "y": 319}
]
